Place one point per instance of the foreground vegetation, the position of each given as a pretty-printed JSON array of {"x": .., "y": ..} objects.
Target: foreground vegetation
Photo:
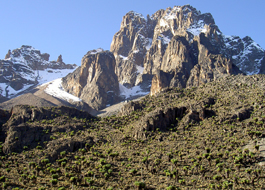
[{"x": 220, "y": 151}]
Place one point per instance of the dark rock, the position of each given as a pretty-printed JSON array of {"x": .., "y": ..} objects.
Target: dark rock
[
  {"x": 23, "y": 113},
  {"x": 8, "y": 54},
  {"x": 69, "y": 145},
  {"x": 242, "y": 113},
  {"x": 160, "y": 80},
  {"x": 45, "y": 56},
  {"x": 60, "y": 59},
  {"x": 130, "y": 107},
  {"x": 19, "y": 133},
  {"x": 158, "y": 119},
  {"x": 95, "y": 81},
  {"x": 182, "y": 116}
]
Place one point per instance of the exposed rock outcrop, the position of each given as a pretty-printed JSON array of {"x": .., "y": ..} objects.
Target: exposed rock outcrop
[
  {"x": 130, "y": 107},
  {"x": 184, "y": 43},
  {"x": 95, "y": 81},
  {"x": 262, "y": 65},
  {"x": 160, "y": 80},
  {"x": 8, "y": 54},
  {"x": 19, "y": 133}
]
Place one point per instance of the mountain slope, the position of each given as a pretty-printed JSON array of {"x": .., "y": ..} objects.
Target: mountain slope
[
  {"x": 206, "y": 137},
  {"x": 26, "y": 67}
]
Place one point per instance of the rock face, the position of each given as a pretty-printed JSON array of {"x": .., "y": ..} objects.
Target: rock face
[
  {"x": 185, "y": 44},
  {"x": 19, "y": 133},
  {"x": 95, "y": 81}
]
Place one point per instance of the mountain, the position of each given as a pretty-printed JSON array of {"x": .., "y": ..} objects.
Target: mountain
[
  {"x": 26, "y": 67},
  {"x": 184, "y": 44},
  {"x": 176, "y": 47},
  {"x": 201, "y": 126},
  {"x": 29, "y": 78}
]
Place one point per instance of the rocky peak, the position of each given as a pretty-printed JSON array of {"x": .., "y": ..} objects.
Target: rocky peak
[
  {"x": 60, "y": 59},
  {"x": 139, "y": 39},
  {"x": 8, "y": 54},
  {"x": 95, "y": 81},
  {"x": 29, "y": 55},
  {"x": 181, "y": 18},
  {"x": 246, "y": 54},
  {"x": 133, "y": 19},
  {"x": 182, "y": 42},
  {"x": 20, "y": 69}
]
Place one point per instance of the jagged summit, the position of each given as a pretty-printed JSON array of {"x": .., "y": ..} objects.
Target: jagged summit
[
  {"x": 33, "y": 58},
  {"x": 95, "y": 51},
  {"x": 246, "y": 54},
  {"x": 154, "y": 43},
  {"x": 176, "y": 47},
  {"x": 25, "y": 67}
]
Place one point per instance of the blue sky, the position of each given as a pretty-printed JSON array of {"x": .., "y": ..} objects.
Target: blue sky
[{"x": 72, "y": 28}]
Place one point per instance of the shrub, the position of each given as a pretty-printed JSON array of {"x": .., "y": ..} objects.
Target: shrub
[
  {"x": 139, "y": 185},
  {"x": 63, "y": 153},
  {"x": 133, "y": 171},
  {"x": 171, "y": 188},
  {"x": 2, "y": 178},
  {"x": 54, "y": 181},
  {"x": 55, "y": 176},
  {"x": 90, "y": 181}
]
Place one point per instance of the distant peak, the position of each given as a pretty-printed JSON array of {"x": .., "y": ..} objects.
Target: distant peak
[
  {"x": 135, "y": 14},
  {"x": 27, "y": 47},
  {"x": 95, "y": 51}
]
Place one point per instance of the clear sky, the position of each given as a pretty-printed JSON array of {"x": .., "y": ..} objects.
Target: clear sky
[{"x": 73, "y": 27}]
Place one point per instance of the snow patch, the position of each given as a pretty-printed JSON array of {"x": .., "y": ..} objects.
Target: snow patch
[
  {"x": 165, "y": 39},
  {"x": 149, "y": 44},
  {"x": 134, "y": 91},
  {"x": 137, "y": 14},
  {"x": 163, "y": 23},
  {"x": 52, "y": 74},
  {"x": 96, "y": 51},
  {"x": 257, "y": 46},
  {"x": 55, "y": 89},
  {"x": 11, "y": 91},
  {"x": 171, "y": 14},
  {"x": 197, "y": 28},
  {"x": 140, "y": 69},
  {"x": 123, "y": 57}
]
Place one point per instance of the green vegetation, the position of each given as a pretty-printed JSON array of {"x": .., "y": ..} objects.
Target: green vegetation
[{"x": 217, "y": 148}]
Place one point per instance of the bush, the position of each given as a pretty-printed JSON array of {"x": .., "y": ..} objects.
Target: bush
[
  {"x": 55, "y": 176},
  {"x": 2, "y": 178},
  {"x": 140, "y": 185},
  {"x": 54, "y": 181},
  {"x": 171, "y": 188}
]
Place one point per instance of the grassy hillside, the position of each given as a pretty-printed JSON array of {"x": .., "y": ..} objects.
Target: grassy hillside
[{"x": 207, "y": 137}]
